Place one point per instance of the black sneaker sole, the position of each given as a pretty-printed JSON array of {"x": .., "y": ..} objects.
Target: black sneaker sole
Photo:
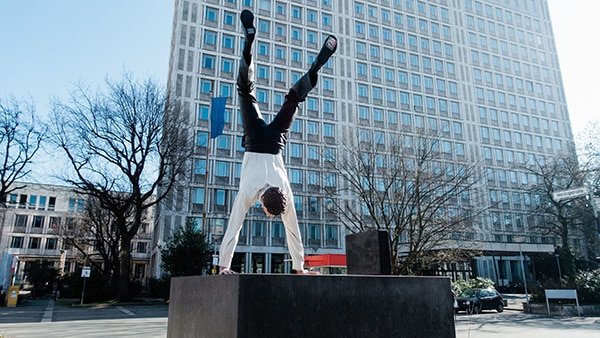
[
  {"x": 247, "y": 19},
  {"x": 329, "y": 47}
]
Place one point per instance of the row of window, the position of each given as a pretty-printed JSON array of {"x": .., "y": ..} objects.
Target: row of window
[
  {"x": 514, "y": 137},
  {"x": 33, "y": 202},
  {"x": 518, "y": 85},
  {"x": 362, "y": 49},
  {"x": 20, "y": 242},
  {"x": 518, "y": 121},
  {"x": 502, "y": 31},
  {"x": 505, "y": 15},
  {"x": 39, "y": 221},
  {"x": 379, "y": 138},
  {"x": 510, "y": 221},
  {"x": 525, "y": 104},
  {"x": 51, "y": 243},
  {"x": 407, "y": 100},
  {"x": 383, "y": 13},
  {"x": 313, "y": 152},
  {"x": 510, "y": 156},
  {"x": 225, "y": 198},
  {"x": 522, "y": 52},
  {"x": 375, "y": 32},
  {"x": 277, "y": 230},
  {"x": 23, "y": 222}
]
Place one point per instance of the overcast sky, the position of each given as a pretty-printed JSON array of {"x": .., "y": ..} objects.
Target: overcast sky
[{"x": 47, "y": 46}]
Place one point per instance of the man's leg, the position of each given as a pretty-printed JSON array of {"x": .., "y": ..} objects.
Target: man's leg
[
  {"x": 249, "y": 109},
  {"x": 238, "y": 212},
  {"x": 247, "y": 19},
  {"x": 309, "y": 80}
]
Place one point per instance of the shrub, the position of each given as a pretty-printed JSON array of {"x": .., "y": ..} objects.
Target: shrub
[
  {"x": 160, "y": 287},
  {"x": 588, "y": 286},
  {"x": 462, "y": 284}
]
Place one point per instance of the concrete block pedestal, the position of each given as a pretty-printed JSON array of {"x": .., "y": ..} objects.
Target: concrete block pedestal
[{"x": 263, "y": 305}]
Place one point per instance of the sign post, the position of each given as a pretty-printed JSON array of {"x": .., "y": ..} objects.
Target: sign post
[{"x": 85, "y": 274}]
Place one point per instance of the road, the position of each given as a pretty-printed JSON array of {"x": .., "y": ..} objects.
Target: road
[{"x": 47, "y": 318}]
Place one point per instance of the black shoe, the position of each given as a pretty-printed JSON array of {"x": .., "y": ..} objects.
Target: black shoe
[
  {"x": 247, "y": 19},
  {"x": 329, "y": 47}
]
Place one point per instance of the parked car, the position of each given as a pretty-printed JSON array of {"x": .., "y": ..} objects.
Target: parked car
[{"x": 475, "y": 300}]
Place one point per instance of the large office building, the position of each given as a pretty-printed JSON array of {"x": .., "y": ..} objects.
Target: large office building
[{"x": 483, "y": 74}]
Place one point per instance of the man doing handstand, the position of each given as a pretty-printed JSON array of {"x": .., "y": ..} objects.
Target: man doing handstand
[{"x": 264, "y": 177}]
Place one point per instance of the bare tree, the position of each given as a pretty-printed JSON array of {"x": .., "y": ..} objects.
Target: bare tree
[
  {"x": 94, "y": 237},
  {"x": 20, "y": 140},
  {"x": 589, "y": 155},
  {"x": 566, "y": 219},
  {"x": 120, "y": 148},
  {"x": 411, "y": 188}
]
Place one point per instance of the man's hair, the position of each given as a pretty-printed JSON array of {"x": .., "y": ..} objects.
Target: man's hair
[{"x": 275, "y": 200}]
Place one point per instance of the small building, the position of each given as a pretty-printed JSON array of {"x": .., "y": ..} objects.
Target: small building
[{"x": 34, "y": 223}]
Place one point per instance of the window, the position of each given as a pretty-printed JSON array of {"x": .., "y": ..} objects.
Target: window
[
  {"x": 295, "y": 176},
  {"x": 21, "y": 221},
  {"x": 38, "y": 221},
  {"x": 228, "y": 41},
  {"x": 329, "y": 130},
  {"x": 227, "y": 65},
  {"x": 210, "y": 38},
  {"x": 313, "y": 153},
  {"x": 198, "y": 196},
  {"x": 221, "y": 169},
  {"x": 51, "y": 244},
  {"x": 211, "y": 14},
  {"x": 296, "y": 150},
  {"x": 76, "y": 205},
  {"x": 229, "y": 18},
  {"x": 16, "y": 242},
  {"x": 313, "y": 178},
  {"x": 326, "y": 19},
  {"x": 220, "y": 197},
  {"x": 34, "y": 243},
  {"x": 142, "y": 247}
]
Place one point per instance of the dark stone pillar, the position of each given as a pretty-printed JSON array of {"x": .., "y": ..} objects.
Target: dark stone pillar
[
  {"x": 263, "y": 305},
  {"x": 368, "y": 253}
]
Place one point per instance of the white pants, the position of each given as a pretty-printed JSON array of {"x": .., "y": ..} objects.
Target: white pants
[{"x": 260, "y": 171}]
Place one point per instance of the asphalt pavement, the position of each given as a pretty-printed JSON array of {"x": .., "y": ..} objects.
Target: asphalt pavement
[{"x": 49, "y": 318}]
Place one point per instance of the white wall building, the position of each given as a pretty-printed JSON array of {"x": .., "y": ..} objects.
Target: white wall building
[{"x": 34, "y": 221}]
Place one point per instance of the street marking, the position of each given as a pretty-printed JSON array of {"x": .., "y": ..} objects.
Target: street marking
[
  {"x": 125, "y": 311},
  {"x": 47, "y": 317}
]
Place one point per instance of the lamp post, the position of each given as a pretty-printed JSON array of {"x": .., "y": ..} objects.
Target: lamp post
[
  {"x": 217, "y": 234},
  {"x": 559, "y": 272},
  {"x": 521, "y": 239}
]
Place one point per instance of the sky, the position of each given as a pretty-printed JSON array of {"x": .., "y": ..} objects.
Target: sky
[{"x": 49, "y": 46}]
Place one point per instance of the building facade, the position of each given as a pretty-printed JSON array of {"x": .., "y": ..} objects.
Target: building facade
[
  {"x": 484, "y": 74},
  {"x": 35, "y": 221}
]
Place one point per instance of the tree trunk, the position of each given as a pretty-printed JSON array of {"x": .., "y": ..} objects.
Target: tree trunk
[{"x": 125, "y": 269}]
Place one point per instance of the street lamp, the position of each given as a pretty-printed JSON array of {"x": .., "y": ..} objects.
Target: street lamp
[
  {"x": 521, "y": 239},
  {"x": 559, "y": 272},
  {"x": 217, "y": 234}
]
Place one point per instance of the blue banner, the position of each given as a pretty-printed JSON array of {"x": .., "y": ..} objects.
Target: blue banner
[{"x": 217, "y": 116}]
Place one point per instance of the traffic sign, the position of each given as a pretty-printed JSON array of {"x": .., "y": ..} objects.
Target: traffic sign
[
  {"x": 85, "y": 272},
  {"x": 570, "y": 193}
]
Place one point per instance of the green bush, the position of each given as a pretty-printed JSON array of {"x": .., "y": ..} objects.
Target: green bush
[
  {"x": 588, "y": 286},
  {"x": 160, "y": 287},
  {"x": 462, "y": 284}
]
